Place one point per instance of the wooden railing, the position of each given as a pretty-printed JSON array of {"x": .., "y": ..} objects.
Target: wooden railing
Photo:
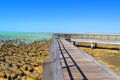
[
  {"x": 112, "y": 37},
  {"x": 52, "y": 69}
]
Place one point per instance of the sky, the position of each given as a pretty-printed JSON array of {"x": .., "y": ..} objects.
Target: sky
[{"x": 99, "y": 16}]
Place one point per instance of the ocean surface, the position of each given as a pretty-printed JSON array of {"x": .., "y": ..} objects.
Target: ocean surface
[{"x": 25, "y": 36}]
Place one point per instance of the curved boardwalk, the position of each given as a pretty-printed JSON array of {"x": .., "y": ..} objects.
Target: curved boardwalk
[{"x": 77, "y": 65}]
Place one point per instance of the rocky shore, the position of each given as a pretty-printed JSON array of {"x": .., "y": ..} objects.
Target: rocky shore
[{"x": 23, "y": 61}]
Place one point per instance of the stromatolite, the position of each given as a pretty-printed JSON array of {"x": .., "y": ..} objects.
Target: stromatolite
[
  {"x": 17, "y": 57},
  {"x": 2, "y": 74}
]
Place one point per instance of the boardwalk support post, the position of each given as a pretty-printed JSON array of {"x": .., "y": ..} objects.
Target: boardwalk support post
[
  {"x": 73, "y": 42},
  {"x": 93, "y": 45}
]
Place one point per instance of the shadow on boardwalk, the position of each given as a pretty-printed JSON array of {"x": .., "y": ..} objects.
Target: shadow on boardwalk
[{"x": 67, "y": 66}]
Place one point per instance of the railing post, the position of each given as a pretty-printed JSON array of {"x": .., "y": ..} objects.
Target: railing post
[
  {"x": 101, "y": 37},
  {"x": 108, "y": 36},
  {"x": 116, "y": 37},
  {"x": 94, "y": 36},
  {"x": 81, "y": 36}
]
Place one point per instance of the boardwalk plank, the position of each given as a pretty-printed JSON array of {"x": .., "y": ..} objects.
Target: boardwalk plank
[{"x": 81, "y": 66}]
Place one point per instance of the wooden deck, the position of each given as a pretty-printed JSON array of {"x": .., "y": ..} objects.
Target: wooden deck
[
  {"x": 78, "y": 65},
  {"x": 96, "y": 41}
]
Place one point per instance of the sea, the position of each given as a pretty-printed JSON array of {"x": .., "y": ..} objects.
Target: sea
[{"x": 25, "y": 36}]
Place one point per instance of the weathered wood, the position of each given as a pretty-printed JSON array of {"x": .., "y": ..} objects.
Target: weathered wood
[
  {"x": 52, "y": 69},
  {"x": 96, "y": 41},
  {"x": 91, "y": 36},
  {"x": 73, "y": 42},
  {"x": 48, "y": 70},
  {"x": 93, "y": 45},
  {"x": 58, "y": 68},
  {"x": 82, "y": 66},
  {"x": 52, "y": 49}
]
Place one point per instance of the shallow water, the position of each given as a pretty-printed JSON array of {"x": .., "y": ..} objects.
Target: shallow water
[{"x": 24, "y": 35}]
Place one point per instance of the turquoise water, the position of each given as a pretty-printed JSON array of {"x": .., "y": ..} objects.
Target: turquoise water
[{"x": 28, "y": 36}]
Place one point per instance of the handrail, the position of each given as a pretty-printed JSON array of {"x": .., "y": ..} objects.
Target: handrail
[
  {"x": 113, "y": 37},
  {"x": 52, "y": 69}
]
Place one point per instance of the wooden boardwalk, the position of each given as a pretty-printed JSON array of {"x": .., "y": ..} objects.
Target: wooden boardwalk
[
  {"x": 96, "y": 41},
  {"x": 77, "y": 65}
]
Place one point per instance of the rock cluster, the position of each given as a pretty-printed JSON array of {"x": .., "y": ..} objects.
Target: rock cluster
[{"x": 18, "y": 62}]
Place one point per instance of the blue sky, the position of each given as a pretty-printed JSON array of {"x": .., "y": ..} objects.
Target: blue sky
[{"x": 60, "y": 16}]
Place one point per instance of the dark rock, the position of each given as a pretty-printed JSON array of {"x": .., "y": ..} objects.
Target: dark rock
[
  {"x": 25, "y": 67},
  {"x": 31, "y": 69}
]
